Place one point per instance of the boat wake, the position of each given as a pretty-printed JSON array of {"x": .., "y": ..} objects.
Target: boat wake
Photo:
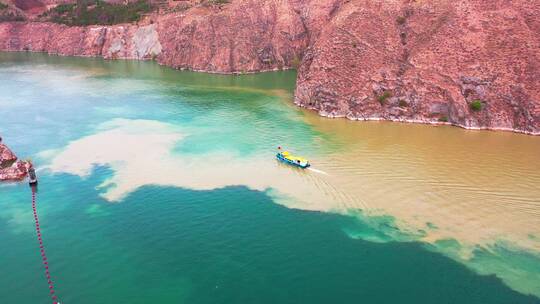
[{"x": 317, "y": 171}]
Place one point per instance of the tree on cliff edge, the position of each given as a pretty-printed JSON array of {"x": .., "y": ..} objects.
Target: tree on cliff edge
[{"x": 81, "y": 11}]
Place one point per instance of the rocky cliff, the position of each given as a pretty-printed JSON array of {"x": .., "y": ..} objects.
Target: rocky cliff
[
  {"x": 11, "y": 169},
  {"x": 111, "y": 42},
  {"x": 471, "y": 63}
]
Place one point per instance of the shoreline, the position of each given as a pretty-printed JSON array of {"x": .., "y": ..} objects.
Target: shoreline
[
  {"x": 319, "y": 112},
  {"x": 418, "y": 121},
  {"x": 153, "y": 60}
]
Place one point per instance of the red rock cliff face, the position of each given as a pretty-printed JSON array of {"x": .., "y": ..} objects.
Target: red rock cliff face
[
  {"x": 244, "y": 36},
  {"x": 11, "y": 169},
  {"x": 7, "y": 158},
  {"x": 427, "y": 61},
  {"x": 422, "y": 61},
  {"x": 111, "y": 42}
]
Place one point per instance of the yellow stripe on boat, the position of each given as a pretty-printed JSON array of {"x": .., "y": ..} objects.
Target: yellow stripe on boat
[
  {"x": 288, "y": 156},
  {"x": 293, "y": 160}
]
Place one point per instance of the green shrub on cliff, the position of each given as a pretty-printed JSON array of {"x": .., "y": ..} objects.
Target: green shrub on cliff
[
  {"x": 88, "y": 12},
  {"x": 64, "y": 8},
  {"x": 443, "y": 118},
  {"x": 403, "y": 103},
  {"x": 476, "y": 105},
  {"x": 384, "y": 97},
  {"x": 401, "y": 20},
  {"x": 295, "y": 62},
  {"x": 3, "y": 6},
  {"x": 218, "y": 1}
]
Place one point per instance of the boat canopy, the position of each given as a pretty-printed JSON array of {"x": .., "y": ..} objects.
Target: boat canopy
[{"x": 288, "y": 156}]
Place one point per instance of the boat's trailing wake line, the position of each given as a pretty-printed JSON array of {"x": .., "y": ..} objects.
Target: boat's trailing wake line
[{"x": 317, "y": 171}]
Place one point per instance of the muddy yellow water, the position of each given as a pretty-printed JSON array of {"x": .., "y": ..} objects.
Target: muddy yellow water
[
  {"x": 463, "y": 192},
  {"x": 472, "y": 185}
]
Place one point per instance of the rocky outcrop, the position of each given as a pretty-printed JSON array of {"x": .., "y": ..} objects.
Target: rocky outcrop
[
  {"x": 470, "y": 63},
  {"x": 7, "y": 158},
  {"x": 245, "y": 36},
  {"x": 428, "y": 61},
  {"x": 11, "y": 169},
  {"x": 111, "y": 42},
  {"x": 30, "y": 6},
  {"x": 16, "y": 172}
]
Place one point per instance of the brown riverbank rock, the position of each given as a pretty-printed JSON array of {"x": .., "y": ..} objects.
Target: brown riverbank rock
[
  {"x": 7, "y": 158},
  {"x": 472, "y": 63},
  {"x": 16, "y": 172},
  {"x": 11, "y": 169}
]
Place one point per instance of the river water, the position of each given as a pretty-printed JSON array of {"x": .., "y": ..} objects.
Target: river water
[{"x": 160, "y": 186}]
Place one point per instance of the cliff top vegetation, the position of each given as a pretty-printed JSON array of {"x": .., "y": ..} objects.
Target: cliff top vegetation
[{"x": 90, "y": 12}]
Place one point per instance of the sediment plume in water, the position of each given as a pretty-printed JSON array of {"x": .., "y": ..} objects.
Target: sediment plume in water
[
  {"x": 435, "y": 193},
  {"x": 140, "y": 152},
  {"x": 470, "y": 195}
]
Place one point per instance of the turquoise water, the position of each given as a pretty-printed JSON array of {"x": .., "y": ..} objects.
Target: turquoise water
[{"x": 131, "y": 228}]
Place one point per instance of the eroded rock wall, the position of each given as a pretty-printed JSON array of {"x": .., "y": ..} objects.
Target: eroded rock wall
[
  {"x": 7, "y": 158},
  {"x": 11, "y": 169},
  {"x": 111, "y": 42},
  {"x": 427, "y": 61},
  {"x": 244, "y": 36},
  {"x": 405, "y": 60}
]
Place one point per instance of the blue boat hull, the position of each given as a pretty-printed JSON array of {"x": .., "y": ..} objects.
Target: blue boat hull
[{"x": 289, "y": 162}]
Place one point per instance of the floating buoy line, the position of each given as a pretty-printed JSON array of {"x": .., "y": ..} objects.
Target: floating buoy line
[{"x": 33, "y": 186}]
